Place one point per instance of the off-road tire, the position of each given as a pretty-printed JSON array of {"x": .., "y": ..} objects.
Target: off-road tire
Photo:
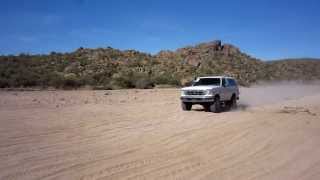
[
  {"x": 216, "y": 106},
  {"x": 206, "y": 107},
  {"x": 233, "y": 102},
  {"x": 186, "y": 106}
]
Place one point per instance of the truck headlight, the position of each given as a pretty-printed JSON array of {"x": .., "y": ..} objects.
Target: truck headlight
[
  {"x": 209, "y": 92},
  {"x": 183, "y": 93}
]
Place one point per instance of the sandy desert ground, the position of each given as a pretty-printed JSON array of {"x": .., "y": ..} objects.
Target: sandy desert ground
[{"x": 143, "y": 134}]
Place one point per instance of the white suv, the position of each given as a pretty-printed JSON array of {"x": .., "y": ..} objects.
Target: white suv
[{"x": 212, "y": 92}]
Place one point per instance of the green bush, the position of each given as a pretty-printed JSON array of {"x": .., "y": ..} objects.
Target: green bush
[
  {"x": 71, "y": 81},
  {"x": 122, "y": 80},
  {"x": 143, "y": 83},
  {"x": 166, "y": 78},
  {"x": 130, "y": 79}
]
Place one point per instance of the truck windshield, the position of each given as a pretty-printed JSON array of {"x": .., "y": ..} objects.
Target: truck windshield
[{"x": 207, "y": 81}]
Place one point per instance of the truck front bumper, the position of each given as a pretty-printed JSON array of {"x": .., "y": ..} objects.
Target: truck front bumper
[{"x": 197, "y": 99}]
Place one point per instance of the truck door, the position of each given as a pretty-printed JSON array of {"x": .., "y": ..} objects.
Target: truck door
[
  {"x": 232, "y": 88},
  {"x": 229, "y": 89},
  {"x": 224, "y": 93}
]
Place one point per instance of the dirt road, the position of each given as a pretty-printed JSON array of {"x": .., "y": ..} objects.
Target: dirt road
[{"x": 143, "y": 134}]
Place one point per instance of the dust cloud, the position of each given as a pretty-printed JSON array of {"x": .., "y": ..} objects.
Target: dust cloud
[{"x": 268, "y": 93}]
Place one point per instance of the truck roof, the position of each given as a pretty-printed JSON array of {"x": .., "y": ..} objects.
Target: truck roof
[{"x": 215, "y": 77}]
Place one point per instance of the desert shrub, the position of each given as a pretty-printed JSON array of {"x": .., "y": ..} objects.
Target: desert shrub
[
  {"x": 122, "y": 80},
  {"x": 22, "y": 78},
  {"x": 71, "y": 81},
  {"x": 4, "y": 82},
  {"x": 88, "y": 80},
  {"x": 143, "y": 82},
  {"x": 166, "y": 78},
  {"x": 54, "y": 80},
  {"x": 130, "y": 79},
  {"x": 104, "y": 84},
  {"x": 28, "y": 78}
]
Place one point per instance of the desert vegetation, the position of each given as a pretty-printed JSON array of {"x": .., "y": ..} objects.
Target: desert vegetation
[{"x": 108, "y": 68}]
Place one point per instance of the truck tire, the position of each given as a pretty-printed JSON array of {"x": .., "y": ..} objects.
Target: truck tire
[
  {"x": 233, "y": 102},
  {"x": 206, "y": 107},
  {"x": 186, "y": 106},
  {"x": 216, "y": 106}
]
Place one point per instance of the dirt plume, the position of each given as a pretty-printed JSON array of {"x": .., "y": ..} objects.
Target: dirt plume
[{"x": 267, "y": 93}]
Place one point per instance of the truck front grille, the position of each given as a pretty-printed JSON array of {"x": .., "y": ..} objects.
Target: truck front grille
[{"x": 194, "y": 92}]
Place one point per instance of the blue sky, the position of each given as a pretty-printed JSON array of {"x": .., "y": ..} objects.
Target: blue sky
[{"x": 264, "y": 29}]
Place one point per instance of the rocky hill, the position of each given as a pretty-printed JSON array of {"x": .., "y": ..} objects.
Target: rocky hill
[
  {"x": 109, "y": 68},
  {"x": 306, "y": 69}
]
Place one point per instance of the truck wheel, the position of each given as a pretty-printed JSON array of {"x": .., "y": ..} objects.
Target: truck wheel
[
  {"x": 233, "y": 102},
  {"x": 216, "y": 106},
  {"x": 186, "y": 106},
  {"x": 206, "y": 107}
]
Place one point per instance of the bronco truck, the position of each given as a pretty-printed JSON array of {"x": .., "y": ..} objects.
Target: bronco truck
[{"x": 213, "y": 92}]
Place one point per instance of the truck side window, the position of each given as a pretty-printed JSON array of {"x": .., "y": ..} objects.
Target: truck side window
[
  {"x": 228, "y": 83},
  {"x": 232, "y": 82}
]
